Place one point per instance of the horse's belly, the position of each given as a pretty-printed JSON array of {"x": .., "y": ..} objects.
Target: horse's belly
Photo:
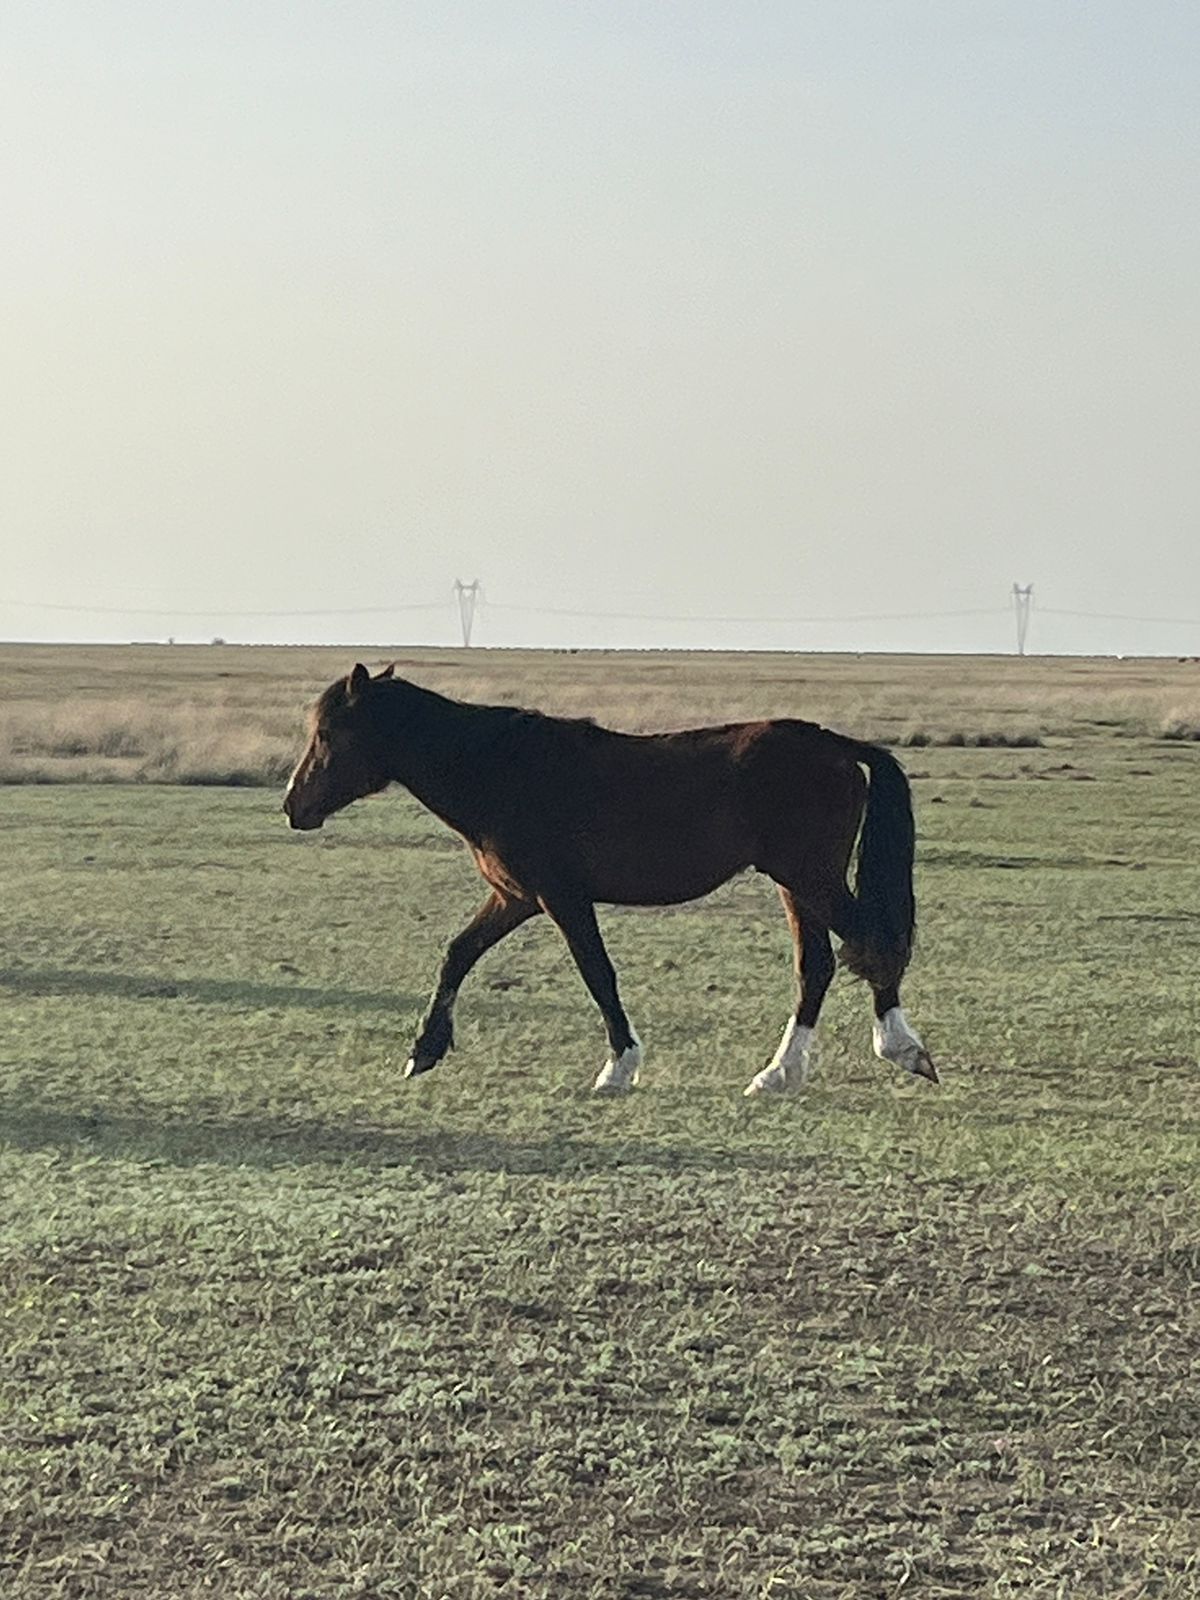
[
  {"x": 667, "y": 864},
  {"x": 661, "y": 891}
]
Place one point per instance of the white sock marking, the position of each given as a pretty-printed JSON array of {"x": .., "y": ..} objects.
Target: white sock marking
[
  {"x": 896, "y": 1040},
  {"x": 789, "y": 1067},
  {"x": 620, "y": 1073}
]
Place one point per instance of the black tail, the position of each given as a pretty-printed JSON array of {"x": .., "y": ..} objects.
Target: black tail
[{"x": 886, "y": 919}]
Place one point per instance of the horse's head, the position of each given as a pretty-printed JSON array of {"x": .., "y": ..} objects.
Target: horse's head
[{"x": 344, "y": 758}]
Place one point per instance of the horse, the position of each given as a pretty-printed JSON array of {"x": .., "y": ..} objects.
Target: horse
[{"x": 561, "y": 814}]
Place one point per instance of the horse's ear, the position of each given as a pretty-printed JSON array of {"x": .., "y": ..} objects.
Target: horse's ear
[
  {"x": 386, "y": 672},
  {"x": 358, "y": 679}
]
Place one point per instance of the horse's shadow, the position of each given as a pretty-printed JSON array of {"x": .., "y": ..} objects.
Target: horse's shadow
[
  {"x": 269, "y": 1144},
  {"x": 206, "y": 991}
]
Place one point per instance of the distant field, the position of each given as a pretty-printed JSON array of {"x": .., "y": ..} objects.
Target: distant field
[
  {"x": 233, "y": 715},
  {"x": 278, "y": 1325}
]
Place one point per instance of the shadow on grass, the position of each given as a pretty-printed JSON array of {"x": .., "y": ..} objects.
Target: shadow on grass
[
  {"x": 207, "y": 991},
  {"x": 271, "y": 1144}
]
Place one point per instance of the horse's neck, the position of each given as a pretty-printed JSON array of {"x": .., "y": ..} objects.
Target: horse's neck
[{"x": 433, "y": 751}]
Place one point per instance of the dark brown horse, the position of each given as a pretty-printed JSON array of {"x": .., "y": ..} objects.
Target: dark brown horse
[{"x": 561, "y": 814}]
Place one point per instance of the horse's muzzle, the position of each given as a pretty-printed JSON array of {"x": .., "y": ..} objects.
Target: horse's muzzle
[{"x": 302, "y": 821}]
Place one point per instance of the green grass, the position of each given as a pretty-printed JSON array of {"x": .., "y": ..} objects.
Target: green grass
[{"x": 277, "y": 1324}]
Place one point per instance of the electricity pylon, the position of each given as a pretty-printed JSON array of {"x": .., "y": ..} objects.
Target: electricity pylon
[
  {"x": 1022, "y": 603},
  {"x": 468, "y": 596}
]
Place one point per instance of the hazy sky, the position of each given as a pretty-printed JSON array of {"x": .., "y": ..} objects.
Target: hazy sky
[{"x": 782, "y": 311}]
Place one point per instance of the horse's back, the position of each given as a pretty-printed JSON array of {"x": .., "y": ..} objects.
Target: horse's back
[
  {"x": 657, "y": 817},
  {"x": 662, "y": 818}
]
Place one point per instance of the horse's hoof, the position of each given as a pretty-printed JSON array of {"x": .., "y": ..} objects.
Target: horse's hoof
[
  {"x": 776, "y": 1080},
  {"x": 788, "y": 1069},
  {"x": 896, "y": 1041},
  {"x": 923, "y": 1067},
  {"x": 619, "y": 1074}
]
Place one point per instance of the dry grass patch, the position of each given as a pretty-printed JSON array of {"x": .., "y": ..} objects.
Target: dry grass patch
[
  {"x": 972, "y": 739},
  {"x": 1181, "y": 722},
  {"x": 201, "y": 714},
  {"x": 129, "y": 740}
]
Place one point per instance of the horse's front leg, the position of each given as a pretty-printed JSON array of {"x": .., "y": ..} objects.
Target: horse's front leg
[
  {"x": 496, "y": 918},
  {"x": 576, "y": 920}
]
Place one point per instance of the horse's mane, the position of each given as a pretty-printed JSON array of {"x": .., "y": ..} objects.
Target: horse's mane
[
  {"x": 526, "y": 716},
  {"x": 480, "y": 727}
]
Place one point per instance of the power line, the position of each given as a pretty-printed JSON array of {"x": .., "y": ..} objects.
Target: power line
[
  {"x": 1115, "y": 616},
  {"x": 468, "y": 594},
  {"x": 220, "y": 611},
  {"x": 651, "y": 616}
]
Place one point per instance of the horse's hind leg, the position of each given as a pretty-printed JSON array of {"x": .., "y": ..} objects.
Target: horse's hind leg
[
  {"x": 576, "y": 920},
  {"x": 495, "y": 919},
  {"x": 789, "y": 1066},
  {"x": 894, "y": 1037}
]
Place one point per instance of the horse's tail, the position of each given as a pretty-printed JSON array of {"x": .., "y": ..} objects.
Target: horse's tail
[{"x": 885, "y": 918}]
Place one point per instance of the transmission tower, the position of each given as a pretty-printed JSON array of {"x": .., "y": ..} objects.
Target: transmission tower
[
  {"x": 468, "y": 597},
  {"x": 1022, "y": 604}
]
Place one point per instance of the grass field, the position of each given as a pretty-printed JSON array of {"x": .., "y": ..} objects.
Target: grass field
[{"x": 280, "y": 1325}]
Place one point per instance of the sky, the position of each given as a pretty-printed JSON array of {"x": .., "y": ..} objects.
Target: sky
[{"x": 781, "y": 325}]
